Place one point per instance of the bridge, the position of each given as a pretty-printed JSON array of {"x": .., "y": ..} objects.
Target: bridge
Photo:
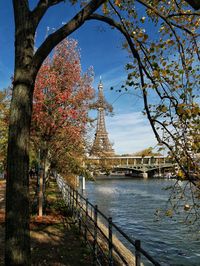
[{"x": 144, "y": 166}]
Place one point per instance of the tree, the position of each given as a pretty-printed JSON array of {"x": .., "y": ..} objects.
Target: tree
[
  {"x": 147, "y": 152},
  {"x": 61, "y": 102},
  {"x": 4, "y": 115},
  {"x": 27, "y": 64},
  {"x": 172, "y": 83},
  {"x": 166, "y": 70}
]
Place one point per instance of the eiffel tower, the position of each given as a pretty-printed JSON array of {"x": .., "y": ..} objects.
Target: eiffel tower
[{"x": 101, "y": 145}]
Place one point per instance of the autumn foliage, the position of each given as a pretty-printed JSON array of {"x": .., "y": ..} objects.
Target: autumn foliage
[
  {"x": 162, "y": 39},
  {"x": 61, "y": 103},
  {"x": 4, "y": 114}
]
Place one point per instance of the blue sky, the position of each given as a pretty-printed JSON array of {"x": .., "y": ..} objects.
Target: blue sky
[{"x": 100, "y": 46}]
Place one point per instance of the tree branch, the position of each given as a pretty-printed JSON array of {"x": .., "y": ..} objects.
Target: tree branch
[
  {"x": 118, "y": 26},
  {"x": 136, "y": 55},
  {"x": 180, "y": 14},
  {"x": 170, "y": 24},
  {"x": 126, "y": 34},
  {"x": 194, "y": 3},
  {"x": 41, "y": 9},
  {"x": 53, "y": 39}
]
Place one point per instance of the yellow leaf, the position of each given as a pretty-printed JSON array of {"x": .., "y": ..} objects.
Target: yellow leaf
[
  {"x": 188, "y": 112},
  {"x": 164, "y": 109},
  {"x": 156, "y": 74},
  {"x": 180, "y": 174},
  {"x": 145, "y": 37},
  {"x": 105, "y": 8},
  {"x": 118, "y": 2},
  {"x": 164, "y": 73},
  {"x": 169, "y": 213},
  {"x": 170, "y": 42},
  {"x": 140, "y": 34}
]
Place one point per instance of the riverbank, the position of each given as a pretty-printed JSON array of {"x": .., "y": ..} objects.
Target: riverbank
[{"x": 54, "y": 238}]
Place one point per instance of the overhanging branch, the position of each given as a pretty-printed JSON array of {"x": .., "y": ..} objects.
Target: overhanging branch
[
  {"x": 53, "y": 39},
  {"x": 194, "y": 3},
  {"x": 136, "y": 55},
  {"x": 41, "y": 9}
]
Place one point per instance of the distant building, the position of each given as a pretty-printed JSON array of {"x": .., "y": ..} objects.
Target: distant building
[{"x": 101, "y": 145}]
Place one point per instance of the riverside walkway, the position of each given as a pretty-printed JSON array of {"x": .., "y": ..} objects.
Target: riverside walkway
[{"x": 52, "y": 242}]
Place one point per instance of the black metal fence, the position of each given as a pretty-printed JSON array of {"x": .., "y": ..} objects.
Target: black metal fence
[{"x": 101, "y": 234}]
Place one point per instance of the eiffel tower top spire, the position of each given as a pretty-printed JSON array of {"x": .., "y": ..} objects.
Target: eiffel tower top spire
[{"x": 101, "y": 144}]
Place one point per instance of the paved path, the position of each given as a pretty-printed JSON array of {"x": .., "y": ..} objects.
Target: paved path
[{"x": 52, "y": 243}]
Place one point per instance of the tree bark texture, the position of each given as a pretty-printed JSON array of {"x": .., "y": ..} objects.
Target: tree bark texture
[
  {"x": 17, "y": 191},
  {"x": 17, "y": 246}
]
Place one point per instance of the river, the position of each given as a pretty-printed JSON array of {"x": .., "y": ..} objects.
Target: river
[{"x": 132, "y": 204}]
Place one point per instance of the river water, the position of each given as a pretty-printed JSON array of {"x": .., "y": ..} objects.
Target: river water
[{"x": 132, "y": 204}]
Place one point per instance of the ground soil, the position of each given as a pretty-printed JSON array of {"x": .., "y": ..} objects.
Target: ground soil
[{"x": 54, "y": 237}]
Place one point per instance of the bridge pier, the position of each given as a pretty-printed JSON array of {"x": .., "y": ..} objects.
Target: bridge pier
[{"x": 145, "y": 175}]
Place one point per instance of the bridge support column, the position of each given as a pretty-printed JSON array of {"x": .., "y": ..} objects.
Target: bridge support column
[
  {"x": 82, "y": 182},
  {"x": 145, "y": 175}
]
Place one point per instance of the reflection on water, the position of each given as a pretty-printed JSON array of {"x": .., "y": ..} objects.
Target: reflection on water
[{"x": 132, "y": 204}]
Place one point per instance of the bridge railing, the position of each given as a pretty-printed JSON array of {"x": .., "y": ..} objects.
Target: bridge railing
[{"x": 102, "y": 235}]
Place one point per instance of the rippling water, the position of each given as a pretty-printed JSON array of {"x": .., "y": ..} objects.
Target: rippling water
[{"x": 132, "y": 204}]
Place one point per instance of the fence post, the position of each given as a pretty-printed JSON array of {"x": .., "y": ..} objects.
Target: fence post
[
  {"x": 69, "y": 197},
  {"x": 41, "y": 192},
  {"x": 76, "y": 199},
  {"x": 86, "y": 218},
  {"x": 73, "y": 201},
  {"x": 137, "y": 252},
  {"x": 65, "y": 194},
  {"x": 95, "y": 236},
  {"x": 79, "y": 217},
  {"x": 79, "y": 222},
  {"x": 110, "y": 244}
]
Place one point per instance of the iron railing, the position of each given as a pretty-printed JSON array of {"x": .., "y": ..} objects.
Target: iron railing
[{"x": 101, "y": 234}]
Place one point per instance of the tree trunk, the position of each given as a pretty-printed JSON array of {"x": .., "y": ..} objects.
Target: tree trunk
[
  {"x": 17, "y": 190},
  {"x": 17, "y": 239}
]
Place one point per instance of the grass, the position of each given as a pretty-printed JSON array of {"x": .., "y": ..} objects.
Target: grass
[{"x": 54, "y": 238}]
